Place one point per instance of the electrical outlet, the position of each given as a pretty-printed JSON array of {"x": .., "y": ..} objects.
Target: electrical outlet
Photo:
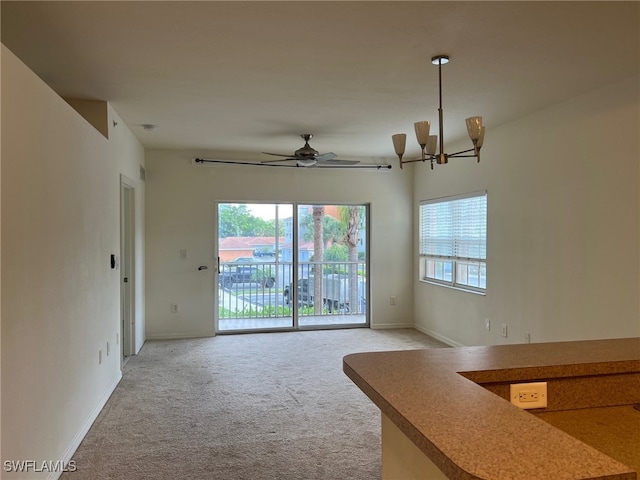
[
  {"x": 504, "y": 330},
  {"x": 174, "y": 308},
  {"x": 392, "y": 300},
  {"x": 487, "y": 324},
  {"x": 184, "y": 253},
  {"x": 529, "y": 395}
]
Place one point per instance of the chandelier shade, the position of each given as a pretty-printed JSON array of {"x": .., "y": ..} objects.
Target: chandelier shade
[
  {"x": 399, "y": 142},
  {"x": 474, "y": 127},
  {"x": 432, "y": 144},
  {"x": 422, "y": 132},
  {"x": 429, "y": 143}
]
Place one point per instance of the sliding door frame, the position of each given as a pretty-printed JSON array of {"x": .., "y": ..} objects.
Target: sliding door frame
[{"x": 294, "y": 269}]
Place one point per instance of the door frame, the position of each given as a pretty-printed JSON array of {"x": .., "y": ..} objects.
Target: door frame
[
  {"x": 294, "y": 268},
  {"x": 127, "y": 270},
  {"x": 219, "y": 265}
]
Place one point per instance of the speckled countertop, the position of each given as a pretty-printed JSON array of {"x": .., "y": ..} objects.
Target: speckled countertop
[
  {"x": 434, "y": 396},
  {"x": 614, "y": 431}
]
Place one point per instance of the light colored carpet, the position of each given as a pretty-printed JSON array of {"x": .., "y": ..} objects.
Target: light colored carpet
[{"x": 255, "y": 407}]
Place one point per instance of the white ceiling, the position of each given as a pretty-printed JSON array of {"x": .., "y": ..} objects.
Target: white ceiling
[{"x": 238, "y": 78}]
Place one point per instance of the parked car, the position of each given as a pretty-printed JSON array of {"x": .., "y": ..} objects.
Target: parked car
[{"x": 232, "y": 274}]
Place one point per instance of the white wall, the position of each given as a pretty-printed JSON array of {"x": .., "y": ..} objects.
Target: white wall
[
  {"x": 61, "y": 300},
  {"x": 180, "y": 214},
  {"x": 563, "y": 226}
]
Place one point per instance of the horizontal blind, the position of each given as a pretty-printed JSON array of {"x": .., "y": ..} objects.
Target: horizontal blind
[
  {"x": 454, "y": 228},
  {"x": 436, "y": 229}
]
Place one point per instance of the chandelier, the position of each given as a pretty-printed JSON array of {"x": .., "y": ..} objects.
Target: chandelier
[{"x": 429, "y": 143}]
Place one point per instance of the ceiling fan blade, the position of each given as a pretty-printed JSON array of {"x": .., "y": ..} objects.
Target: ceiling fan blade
[
  {"x": 279, "y": 160},
  {"x": 337, "y": 161},
  {"x": 323, "y": 157},
  {"x": 277, "y": 154}
]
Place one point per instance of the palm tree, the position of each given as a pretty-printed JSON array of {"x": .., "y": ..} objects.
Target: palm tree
[
  {"x": 318, "y": 256},
  {"x": 351, "y": 217},
  {"x": 332, "y": 229}
]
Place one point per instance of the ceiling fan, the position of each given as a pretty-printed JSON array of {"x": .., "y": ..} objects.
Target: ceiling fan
[
  {"x": 303, "y": 157},
  {"x": 308, "y": 156}
]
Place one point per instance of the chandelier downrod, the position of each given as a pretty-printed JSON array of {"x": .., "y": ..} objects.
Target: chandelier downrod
[
  {"x": 440, "y": 59},
  {"x": 428, "y": 142}
]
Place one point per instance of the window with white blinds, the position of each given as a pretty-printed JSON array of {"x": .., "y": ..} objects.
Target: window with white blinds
[{"x": 453, "y": 241}]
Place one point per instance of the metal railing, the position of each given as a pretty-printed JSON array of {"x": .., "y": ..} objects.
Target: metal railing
[
  {"x": 266, "y": 289},
  {"x": 338, "y": 298}
]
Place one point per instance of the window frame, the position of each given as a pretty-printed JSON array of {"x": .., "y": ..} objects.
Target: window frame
[{"x": 438, "y": 258}]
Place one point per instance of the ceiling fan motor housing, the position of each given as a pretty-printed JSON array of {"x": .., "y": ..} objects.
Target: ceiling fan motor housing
[{"x": 307, "y": 151}]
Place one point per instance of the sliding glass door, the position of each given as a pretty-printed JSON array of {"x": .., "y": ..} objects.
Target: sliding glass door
[
  {"x": 252, "y": 272},
  {"x": 290, "y": 266},
  {"x": 332, "y": 265}
]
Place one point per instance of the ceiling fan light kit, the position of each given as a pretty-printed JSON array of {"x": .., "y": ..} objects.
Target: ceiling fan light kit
[
  {"x": 429, "y": 143},
  {"x": 306, "y": 162}
]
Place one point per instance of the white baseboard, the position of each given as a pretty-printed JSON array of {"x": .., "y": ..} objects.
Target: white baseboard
[
  {"x": 437, "y": 336},
  {"x": 75, "y": 443},
  {"x": 381, "y": 326},
  {"x": 177, "y": 336}
]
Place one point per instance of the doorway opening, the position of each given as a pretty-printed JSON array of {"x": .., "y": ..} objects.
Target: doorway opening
[
  {"x": 291, "y": 266},
  {"x": 127, "y": 262}
]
